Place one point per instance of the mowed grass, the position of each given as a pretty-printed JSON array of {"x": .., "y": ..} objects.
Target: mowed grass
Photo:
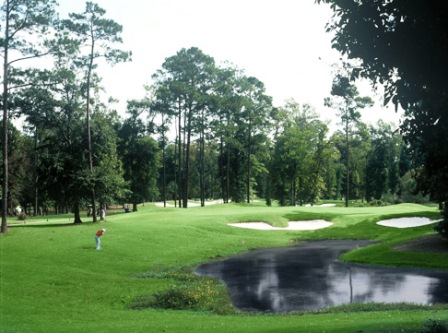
[{"x": 53, "y": 280}]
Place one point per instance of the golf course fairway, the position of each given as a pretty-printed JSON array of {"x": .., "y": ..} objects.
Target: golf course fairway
[{"x": 53, "y": 279}]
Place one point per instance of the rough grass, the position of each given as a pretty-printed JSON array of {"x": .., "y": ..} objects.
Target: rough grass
[{"x": 52, "y": 279}]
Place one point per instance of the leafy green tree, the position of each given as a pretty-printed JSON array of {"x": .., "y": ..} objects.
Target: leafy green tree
[
  {"x": 359, "y": 142},
  {"x": 315, "y": 185},
  {"x": 25, "y": 173},
  {"x": 212, "y": 103},
  {"x": 400, "y": 44},
  {"x": 57, "y": 113},
  {"x": 297, "y": 166},
  {"x": 186, "y": 79},
  {"x": 19, "y": 19},
  {"x": 332, "y": 171},
  {"x": 20, "y": 154},
  {"x": 140, "y": 156},
  {"x": 395, "y": 146},
  {"x": 224, "y": 103},
  {"x": 98, "y": 35},
  {"x": 255, "y": 108},
  {"x": 35, "y": 102},
  {"x": 345, "y": 98},
  {"x": 378, "y": 166},
  {"x": 359, "y": 147},
  {"x": 338, "y": 140},
  {"x": 61, "y": 156},
  {"x": 146, "y": 172},
  {"x": 403, "y": 45},
  {"x": 170, "y": 168},
  {"x": 163, "y": 142},
  {"x": 241, "y": 111},
  {"x": 212, "y": 188},
  {"x": 108, "y": 174}
]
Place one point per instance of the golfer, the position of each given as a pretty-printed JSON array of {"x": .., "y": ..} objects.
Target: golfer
[{"x": 98, "y": 234}]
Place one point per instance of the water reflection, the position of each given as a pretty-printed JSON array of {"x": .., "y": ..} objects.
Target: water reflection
[{"x": 309, "y": 277}]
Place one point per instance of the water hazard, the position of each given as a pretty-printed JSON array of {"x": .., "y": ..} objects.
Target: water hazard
[{"x": 310, "y": 277}]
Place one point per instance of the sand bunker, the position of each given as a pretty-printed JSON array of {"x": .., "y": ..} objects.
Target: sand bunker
[
  {"x": 293, "y": 225},
  {"x": 191, "y": 204},
  {"x": 407, "y": 222}
]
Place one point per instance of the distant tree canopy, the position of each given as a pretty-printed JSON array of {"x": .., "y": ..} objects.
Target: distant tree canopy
[
  {"x": 204, "y": 131},
  {"x": 346, "y": 99},
  {"x": 240, "y": 146},
  {"x": 403, "y": 44}
]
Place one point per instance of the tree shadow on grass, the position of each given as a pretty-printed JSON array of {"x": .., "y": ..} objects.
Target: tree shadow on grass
[{"x": 48, "y": 224}]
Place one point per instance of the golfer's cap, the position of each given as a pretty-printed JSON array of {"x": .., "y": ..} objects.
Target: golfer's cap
[{"x": 104, "y": 230}]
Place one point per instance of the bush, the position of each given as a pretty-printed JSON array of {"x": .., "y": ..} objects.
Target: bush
[
  {"x": 21, "y": 216},
  {"x": 433, "y": 326},
  {"x": 442, "y": 227},
  {"x": 377, "y": 203},
  {"x": 191, "y": 292},
  {"x": 174, "y": 298}
]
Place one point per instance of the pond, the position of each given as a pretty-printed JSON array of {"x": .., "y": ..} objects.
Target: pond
[{"x": 310, "y": 277}]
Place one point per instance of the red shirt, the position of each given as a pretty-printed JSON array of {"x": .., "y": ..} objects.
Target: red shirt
[{"x": 99, "y": 232}]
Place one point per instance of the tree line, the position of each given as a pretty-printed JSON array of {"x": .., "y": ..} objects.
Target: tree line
[
  {"x": 203, "y": 131},
  {"x": 403, "y": 46}
]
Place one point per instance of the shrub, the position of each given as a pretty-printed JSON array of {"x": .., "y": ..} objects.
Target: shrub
[
  {"x": 21, "y": 216},
  {"x": 442, "y": 227},
  {"x": 378, "y": 203},
  {"x": 433, "y": 326},
  {"x": 192, "y": 292},
  {"x": 174, "y": 298}
]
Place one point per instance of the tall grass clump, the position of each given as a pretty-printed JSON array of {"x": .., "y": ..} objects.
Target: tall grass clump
[{"x": 189, "y": 292}]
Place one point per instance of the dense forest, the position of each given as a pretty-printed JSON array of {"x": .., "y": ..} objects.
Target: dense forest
[{"x": 203, "y": 131}]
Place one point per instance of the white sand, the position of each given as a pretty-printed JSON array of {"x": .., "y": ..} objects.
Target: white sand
[
  {"x": 407, "y": 222},
  {"x": 293, "y": 225}
]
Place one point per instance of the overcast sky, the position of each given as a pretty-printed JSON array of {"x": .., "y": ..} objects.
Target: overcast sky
[{"x": 277, "y": 41}]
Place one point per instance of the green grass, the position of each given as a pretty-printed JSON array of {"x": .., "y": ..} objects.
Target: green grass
[{"x": 52, "y": 279}]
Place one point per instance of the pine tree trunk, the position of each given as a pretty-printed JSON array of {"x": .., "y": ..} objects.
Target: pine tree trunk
[
  {"x": 202, "y": 157},
  {"x": 249, "y": 152},
  {"x": 77, "y": 214},
  {"x": 89, "y": 134},
  {"x": 187, "y": 161},
  {"x": 4, "y": 227},
  {"x": 180, "y": 164},
  {"x": 347, "y": 180},
  {"x": 163, "y": 163}
]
